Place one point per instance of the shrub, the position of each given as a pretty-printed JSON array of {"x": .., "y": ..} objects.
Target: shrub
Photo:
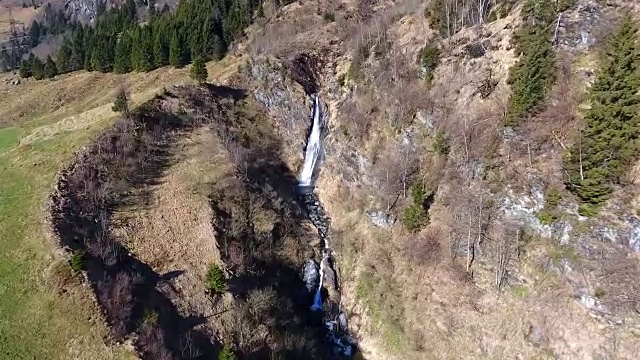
[
  {"x": 198, "y": 70},
  {"x": 547, "y": 217},
  {"x": 441, "y": 143},
  {"x": 587, "y": 209},
  {"x": 553, "y": 197},
  {"x": 150, "y": 317},
  {"x": 216, "y": 281},
  {"x": 564, "y": 5},
  {"x": 227, "y": 353},
  {"x": 415, "y": 216},
  {"x": 329, "y": 16},
  {"x": 121, "y": 104},
  {"x": 77, "y": 261},
  {"x": 260, "y": 11},
  {"x": 429, "y": 60}
]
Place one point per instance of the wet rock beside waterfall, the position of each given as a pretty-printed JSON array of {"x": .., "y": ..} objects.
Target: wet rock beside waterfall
[
  {"x": 381, "y": 219},
  {"x": 311, "y": 275},
  {"x": 329, "y": 278}
]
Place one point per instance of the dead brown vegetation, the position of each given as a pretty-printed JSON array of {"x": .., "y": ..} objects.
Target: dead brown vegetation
[
  {"x": 131, "y": 154},
  {"x": 424, "y": 248},
  {"x": 554, "y": 127}
]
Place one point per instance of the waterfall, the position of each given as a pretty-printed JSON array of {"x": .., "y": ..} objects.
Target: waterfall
[
  {"x": 335, "y": 321},
  {"x": 317, "y": 299},
  {"x": 313, "y": 146}
]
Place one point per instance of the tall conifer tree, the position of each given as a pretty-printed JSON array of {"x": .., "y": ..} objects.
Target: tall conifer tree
[{"x": 608, "y": 145}]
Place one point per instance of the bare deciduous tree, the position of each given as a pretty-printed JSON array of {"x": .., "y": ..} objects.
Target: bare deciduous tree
[
  {"x": 116, "y": 296},
  {"x": 394, "y": 171}
]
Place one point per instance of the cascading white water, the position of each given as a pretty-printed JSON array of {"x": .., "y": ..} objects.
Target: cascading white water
[
  {"x": 313, "y": 146},
  {"x": 317, "y": 300},
  {"x": 342, "y": 344}
]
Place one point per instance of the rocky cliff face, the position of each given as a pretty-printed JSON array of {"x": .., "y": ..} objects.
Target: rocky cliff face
[{"x": 506, "y": 268}]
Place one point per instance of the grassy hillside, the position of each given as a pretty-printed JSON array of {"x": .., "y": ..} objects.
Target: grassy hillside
[{"x": 45, "y": 313}]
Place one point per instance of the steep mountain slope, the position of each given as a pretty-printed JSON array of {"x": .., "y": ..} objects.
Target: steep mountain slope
[
  {"x": 456, "y": 230},
  {"x": 505, "y": 267}
]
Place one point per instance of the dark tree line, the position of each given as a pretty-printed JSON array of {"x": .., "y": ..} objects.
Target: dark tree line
[{"x": 118, "y": 43}]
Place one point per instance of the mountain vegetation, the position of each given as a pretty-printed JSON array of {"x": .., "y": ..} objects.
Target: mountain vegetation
[
  {"x": 607, "y": 146},
  {"x": 533, "y": 75},
  {"x": 119, "y": 43}
]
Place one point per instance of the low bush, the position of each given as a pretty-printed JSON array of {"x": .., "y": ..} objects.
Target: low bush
[
  {"x": 415, "y": 216},
  {"x": 121, "y": 103},
  {"x": 216, "y": 281},
  {"x": 440, "y": 142},
  {"x": 547, "y": 217},
  {"x": 227, "y": 353},
  {"x": 429, "y": 60},
  {"x": 329, "y": 16},
  {"x": 77, "y": 261}
]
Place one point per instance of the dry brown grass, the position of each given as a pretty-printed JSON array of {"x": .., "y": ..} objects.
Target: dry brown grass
[
  {"x": 46, "y": 313},
  {"x": 43, "y": 102},
  {"x": 173, "y": 231},
  {"x": 429, "y": 302}
]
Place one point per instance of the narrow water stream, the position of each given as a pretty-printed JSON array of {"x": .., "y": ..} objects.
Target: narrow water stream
[{"x": 325, "y": 280}]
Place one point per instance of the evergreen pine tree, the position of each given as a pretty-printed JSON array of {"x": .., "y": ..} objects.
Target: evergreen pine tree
[
  {"x": 103, "y": 50},
  {"x": 198, "y": 69},
  {"x": 34, "y": 34},
  {"x": 77, "y": 49},
  {"x": 122, "y": 62},
  {"x": 176, "y": 50},
  {"x": 217, "y": 47},
  {"x": 260, "y": 10},
  {"x": 532, "y": 76},
  {"x": 37, "y": 67},
  {"x": 607, "y": 147},
  {"x": 88, "y": 48},
  {"x": 152, "y": 8},
  {"x": 146, "y": 45},
  {"x": 141, "y": 50},
  {"x": 50, "y": 68},
  {"x": 196, "y": 45},
  {"x": 236, "y": 20},
  {"x": 214, "y": 46},
  {"x": 25, "y": 69},
  {"x": 63, "y": 58},
  {"x": 160, "y": 46},
  {"x": 227, "y": 353},
  {"x": 131, "y": 11}
]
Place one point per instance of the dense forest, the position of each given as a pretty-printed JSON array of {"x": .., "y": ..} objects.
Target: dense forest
[{"x": 119, "y": 43}]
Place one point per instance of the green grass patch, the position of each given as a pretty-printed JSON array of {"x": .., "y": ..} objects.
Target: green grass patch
[
  {"x": 520, "y": 291},
  {"x": 384, "y": 308},
  {"x": 9, "y": 137},
  {"x": 35, "y": 321}
]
